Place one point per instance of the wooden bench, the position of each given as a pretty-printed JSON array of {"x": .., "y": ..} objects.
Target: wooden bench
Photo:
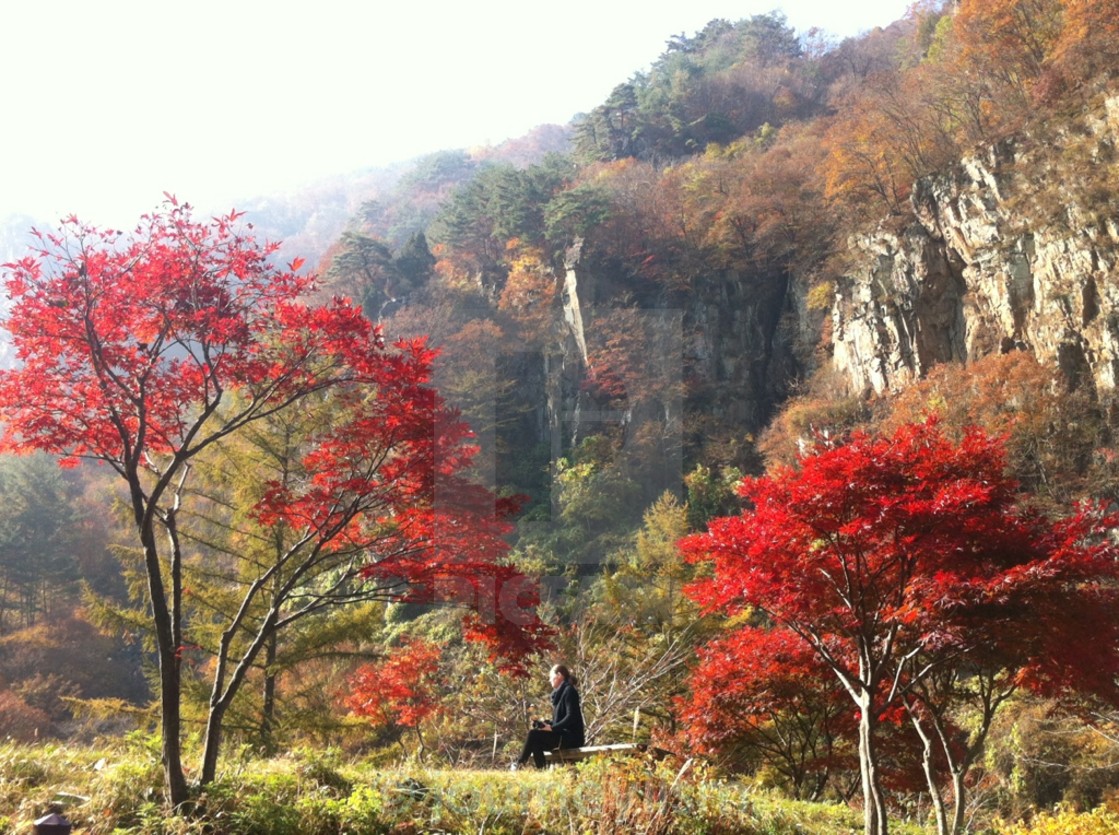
[{"x": 574, "y": 755}]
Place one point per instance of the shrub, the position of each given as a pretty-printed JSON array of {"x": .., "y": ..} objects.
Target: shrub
[
  {"x": 1101, "y": 821},
  {"x": 20, "y": 721}
]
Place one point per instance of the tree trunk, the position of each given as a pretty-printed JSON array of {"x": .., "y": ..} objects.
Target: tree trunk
[
  {"x": 171, "y": 727},
  {"x": 170, "y": 689},
  {"x": 874, "y": 806},
  {"x": 268, "y": 699},
  {"x": 168, "y": 645},
  {"x": 212, "y": 744},
  {"x": 960, "y": 787},
  {"x": 225, "y": 690},
  {"x": 930, "y": 776}
]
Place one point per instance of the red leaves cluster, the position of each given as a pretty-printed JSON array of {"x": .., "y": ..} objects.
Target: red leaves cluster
[
  {"x": 759, "y": 690},
  {"x": 402, "y": 689},
  {"x": 914, "y": 544},
  {"x": 901, "y": 561},
  {"x": 115, "y": 334}
]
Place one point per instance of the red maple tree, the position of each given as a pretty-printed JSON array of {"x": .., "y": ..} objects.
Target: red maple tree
[
  {"x": 401, "y": 689},
  {"x": 763, "y": 692},
  {"x": 903, "y": 557},
  {"x": 145, "y": 350}
]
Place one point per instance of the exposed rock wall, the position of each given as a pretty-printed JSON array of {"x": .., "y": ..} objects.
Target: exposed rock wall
[
  {"x": 740, "y": 349},
  {"x": 734, "y": 341},
  {"x": 1007, "y": 252}
]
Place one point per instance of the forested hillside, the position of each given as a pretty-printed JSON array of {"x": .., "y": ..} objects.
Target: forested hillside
[
  {"x": 876, "y": 279},
  {"x": 761, "y": 240},
  {"x": 739, "y": 200}
]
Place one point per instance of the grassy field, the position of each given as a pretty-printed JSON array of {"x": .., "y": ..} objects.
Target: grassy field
[{"x": 116, "y": 791}]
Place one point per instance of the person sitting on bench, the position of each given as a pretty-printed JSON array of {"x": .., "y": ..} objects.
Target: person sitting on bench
[{"x": 566, "y": 728}]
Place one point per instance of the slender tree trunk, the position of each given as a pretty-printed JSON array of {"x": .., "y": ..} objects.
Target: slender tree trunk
[
  {"x": 960, "y": 788},
  {"x": 168, "y": 636},
  {"x": 227, "y": 683},
  {"x": 874, "y": 806},
  {"x": 171, "y": 728},
  {"x": 170, "y": 682},
  {"x": 930, "y": 776},
  {"x": 960, "y": 761},
  {"x": 219, "y": 702},
  {"x": 268, "y": 699},
  {"x": 211, "y": 745}
]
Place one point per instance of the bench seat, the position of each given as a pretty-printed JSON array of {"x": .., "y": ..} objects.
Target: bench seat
[{"x": 573, "y": 755}]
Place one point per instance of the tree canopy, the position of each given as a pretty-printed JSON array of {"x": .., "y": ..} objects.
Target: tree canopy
[
  {"x": 904, "y": 557},
  {"x": 147, "y": 351}
]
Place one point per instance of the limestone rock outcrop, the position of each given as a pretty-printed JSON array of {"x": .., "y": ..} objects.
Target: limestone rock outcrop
[{"x": 1015, "y": 249}]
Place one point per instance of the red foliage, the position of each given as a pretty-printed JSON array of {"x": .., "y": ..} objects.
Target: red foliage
[
  {"x": 913, "y": 543},
  {"x": 401, "y": 690},
  {"x": 904, "y": 557},
  {"x": 142, "y": 350},
  {"x": 765, "y": 692}
]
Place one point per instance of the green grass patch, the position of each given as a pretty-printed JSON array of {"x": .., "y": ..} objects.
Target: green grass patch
[{"x": 117, "y": 791}]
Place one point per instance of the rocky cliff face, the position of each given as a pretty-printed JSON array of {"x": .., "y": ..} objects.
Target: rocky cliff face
[
  {"x": 741, "y": 346},
  {"x": 728, "y": 349},
  {"x": 1015, "y": 249}
]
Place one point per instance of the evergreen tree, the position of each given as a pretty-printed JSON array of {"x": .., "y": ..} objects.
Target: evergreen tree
[{"x": 39, "y": 533}]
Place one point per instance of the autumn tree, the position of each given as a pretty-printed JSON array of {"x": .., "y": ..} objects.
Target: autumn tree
[
  {"x": 1008, "y": 42},
  {"x": 237, "y": 570},
  {"x": 402, "y": 690},
  {"x": 1087, "y": 50},
  {"x": 530, "y": 294},
  {"x": 641, "y": 229},
  {"x": 1055, "y": 435},
  {"x": 907, "y": 556},
  {"x": 889, "y": 133},
  {"x": 757, "y": 203},
  {"x": 146, "y": 350},
  {"x": 56, "y": 663},
  {"x": 762, "y": 696}
]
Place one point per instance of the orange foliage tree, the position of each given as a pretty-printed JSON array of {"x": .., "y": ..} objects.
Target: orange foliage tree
[
  {"x": 980, "y": 77},
  {"x": 1007, "y": 40},
  {"x": 1051, "y": 434},
  {"x": 757, "y": 202},
  {"x": 1088, "y": 46},
  {"x": 401, "y": 690},
  {"x": 889, "y": 133},
  {"x": 529, "y": 293}
]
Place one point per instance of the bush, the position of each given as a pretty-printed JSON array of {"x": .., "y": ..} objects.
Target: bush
[
  {"x": 1101, "y": 821},
  {"x": 20, "y": 721}
]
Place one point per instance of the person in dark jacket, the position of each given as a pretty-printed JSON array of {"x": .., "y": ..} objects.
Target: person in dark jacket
[{"x": 566, "y": 728}]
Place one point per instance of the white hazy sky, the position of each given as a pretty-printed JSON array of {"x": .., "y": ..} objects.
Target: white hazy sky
[{"x": 107, "y": 104}]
